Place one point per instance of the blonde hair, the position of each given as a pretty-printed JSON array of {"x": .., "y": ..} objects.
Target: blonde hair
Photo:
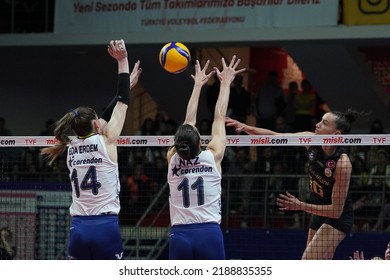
[{"x": 79, "y": 121}]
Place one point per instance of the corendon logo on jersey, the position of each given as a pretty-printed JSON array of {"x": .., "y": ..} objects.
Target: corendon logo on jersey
[
  {"x": 190, "y": 166},
  {"x": 175, "y": 171},
  {"x": 86, "y": 161},
  {"x": 71, "y": 158},
  {"x": 184, "y": 163},
  {"x": 202, "y": 169}
]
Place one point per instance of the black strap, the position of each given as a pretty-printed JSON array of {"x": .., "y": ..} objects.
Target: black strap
[{"x": 124, "y": 88}]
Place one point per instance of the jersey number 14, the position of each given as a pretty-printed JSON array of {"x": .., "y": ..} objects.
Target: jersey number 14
[{"x": 89, "y": 181}]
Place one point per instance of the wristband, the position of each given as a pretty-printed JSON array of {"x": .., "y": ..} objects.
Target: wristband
[{"x": 123, "y": 93}]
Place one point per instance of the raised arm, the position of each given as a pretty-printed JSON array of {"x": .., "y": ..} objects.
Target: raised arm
[
  {"x": 200, "y": 78},
  {"x": 5, "y": 235},
  {"x": 218, "y": 131},
  {"x": 134, "y": 76},
  {"x": 112, "y": 130},
  {"x": 253, "y": 130}
]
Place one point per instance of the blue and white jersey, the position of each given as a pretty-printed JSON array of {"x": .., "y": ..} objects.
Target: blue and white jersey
[
  {"x": 194, "y": 190},
  {"x": 94, "y": 177}
]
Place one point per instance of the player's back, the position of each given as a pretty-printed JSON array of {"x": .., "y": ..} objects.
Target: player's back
[
  {"x": 195, "y": 190},
  {"x": 94, "y": 177}
]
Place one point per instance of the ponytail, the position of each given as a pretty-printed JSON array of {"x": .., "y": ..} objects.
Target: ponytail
[
  {"x": 187, "y": 142},
  {"x": 344, "y": 120},
  {"x": 183, "y": 150},
  {"x": 60, "y": 127},
  {"x": 77, "y": 121}
]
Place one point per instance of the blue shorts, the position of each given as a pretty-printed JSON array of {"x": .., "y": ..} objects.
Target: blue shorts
[
  {"x": 196, "y": 242},
  {"x": 95, "y": 238}
]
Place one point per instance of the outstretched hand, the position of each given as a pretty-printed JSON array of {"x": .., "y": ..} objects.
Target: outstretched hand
[
  {"x": 288, "y": 202},
  {"x": 135, "y": 74},
  {"x": 200, "y": 74},
  {"x": 229, "y": 71},
  {"x": 117, "y": 49},
  {"x": 235, "y": 123},
  {"x": 357, "y": 255}
]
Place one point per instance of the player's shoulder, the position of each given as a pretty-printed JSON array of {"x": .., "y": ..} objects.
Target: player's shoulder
[{"x": 344, "y": 160}]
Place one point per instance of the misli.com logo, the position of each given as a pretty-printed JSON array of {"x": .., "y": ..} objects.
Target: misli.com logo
[
  {"x": 7, "y": 142},
  {"x": 374, "y": 6}
]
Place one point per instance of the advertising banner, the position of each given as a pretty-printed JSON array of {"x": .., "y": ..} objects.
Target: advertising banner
[
  {"x": 140, "y": 16},
  {"x": 18, "y": 213},
  {"x": 366, "y": 12}
]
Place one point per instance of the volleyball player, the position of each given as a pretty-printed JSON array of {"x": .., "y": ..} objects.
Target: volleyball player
[
  {"x": 359, "y": 255},
  {"x": 194, "y": 176},
  {"x": 330, "y": 174},
  {"x": 93, "y": 164},
  {"x": 7, "y": 251}
]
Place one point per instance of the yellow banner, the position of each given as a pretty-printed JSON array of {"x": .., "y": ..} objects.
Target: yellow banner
[{"x": 366, "y": 12}]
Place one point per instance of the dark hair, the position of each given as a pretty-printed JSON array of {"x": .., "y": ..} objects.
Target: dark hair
[
  {"x": 306, "y": 82},
  {"x": 81, "y": 123},
  {"x": 376, "y": 127},
  {"x": 345, "y": 120},
  {"x": 382, "y": 151},
  {"x": 293, "y": 84},
  {"x": 79, "y": 120},
  {"x": 147, "y": 127},
  {"x": 187, "y": 142}
]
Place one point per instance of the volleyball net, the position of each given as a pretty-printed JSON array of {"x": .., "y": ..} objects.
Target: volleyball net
[{"x": 35, "y": 197}]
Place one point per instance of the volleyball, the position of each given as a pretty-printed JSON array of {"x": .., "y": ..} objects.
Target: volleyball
[{"x": 174, "y": 57}]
